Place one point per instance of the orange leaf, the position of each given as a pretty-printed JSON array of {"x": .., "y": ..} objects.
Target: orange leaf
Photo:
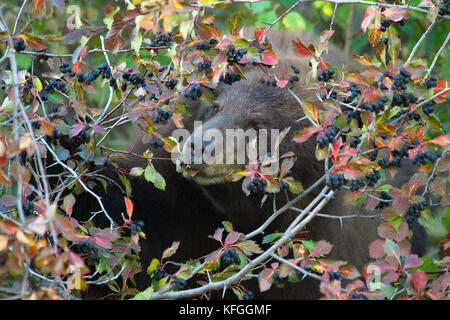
[
  {"x": 440, "y": 86},
  {"x": 129, "y": 205},
  {"x": 259, "y": 34},
  {"x": 36, "y": 5}
]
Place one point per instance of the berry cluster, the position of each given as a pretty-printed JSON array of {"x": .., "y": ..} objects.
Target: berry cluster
[
  {"x": 403, "y": 99},
  {"x": 135, "y": 79},
  {"x": 401, "y": 79},
  {"x": 204, "y": 66},
  {"x": 28, "y": 208},
  {"x": 230, "y": 257},
  {"x": 137, "y": 227},
  {"x": 170, "y": 84},
  {"x": 415, "y": 211},
  {"x": 293, "y": 79},
  {"x": 377, "y": 106},
  {"x": 335, "y": 181},
  {"x": 358, "y": 296},
  {"x": 205, "y": 45},
  {"x": 163, "y": 40},
  {"x": 65, "y": 68},
  {"x": 57, "y": 84},
  {"x": 163, "y": 116},
  {"x": 234, "y": 56},
  {"x": 256, "y": 185},
  {"x": 427, "y": 108},
  {"x": 230, "y": 78},
  {"x": 19, "y": 45},
  {"x": 431, "y": 82},
  {"x": 384, "y": 196},
  {"x": 159, "y": 273},
  {"x": 385, "y": 164},
  {"x": 373, "y": 178},
  {"x": 269, "y": 82},
  {"x": 157, "y": 143},
  {"x": 354, "y": 143},
  {"x": 179, "y": 283},
  {"x": 329, "y": 137},
  {"x": 332, "y": 95},
  {"x": 444, "y": 9},
  {"x": 283, "y": 185},
  {"x": 357, "y": 184},
  {"x": 423, "y": 158},
  {"x": 86, "y": 248},
  {"x": 194, "y": 92},
  {"x": 355, "y": 91},
  {"x": 385, "y": 23},
  {"x": 277, "y": 279},
  {"x": 335, "y": 275},
  {"x": 326, "y": 75},
  {"x": 248, "y": 295}
]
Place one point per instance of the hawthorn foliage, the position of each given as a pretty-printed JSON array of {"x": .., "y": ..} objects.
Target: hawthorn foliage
[{"x": 370, "y": 121}]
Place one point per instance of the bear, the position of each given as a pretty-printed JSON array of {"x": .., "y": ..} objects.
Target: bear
[
  {"x": 192, "y": 207},
  {"x": 253, "y": 104}
]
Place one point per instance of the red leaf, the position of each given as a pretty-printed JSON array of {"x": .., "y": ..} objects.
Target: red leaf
[
  {"x": 101, "y": 242},
  {"x": 36, "y": 5},
  {"x": 232, "y": 237},
  {"x": 218, "y": 234},
  {"x": 395, "y": 13},
  {"x": 97, "y": 128},
  {"x": 265, "y": 279},
  {"x": 282, "y": 83},
  {"x": 400, "y": 204},
  {"x": 390, "y": 277},
  {"x": 269, "y": 58},
  {"x": 304, "y": 134},
  {"x": 76, "y": 129},
  {"x": 129, "y": 205},
  {"x": 301, "y": 49},
  {"x": 420, "y": 280},
  {"x": 369, "y": 14},
  {"x": 412, "y": 261},
  {"x": 441, "y": 85},
  {"x": 322, "y": 247},
  {"x": 376, "y": 249}
]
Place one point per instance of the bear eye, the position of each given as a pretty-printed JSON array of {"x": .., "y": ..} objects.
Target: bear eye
[{"x": 215, "y": 109}]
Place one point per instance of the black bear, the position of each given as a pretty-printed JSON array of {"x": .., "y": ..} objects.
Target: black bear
[{"x": 193, "y": 206}]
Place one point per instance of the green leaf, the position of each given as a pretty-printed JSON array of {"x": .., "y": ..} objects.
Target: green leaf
[
  {"x": 152, "y": 267},
  {"x": 294, "y": 21},
  {"x": 446, "y": 219},
  {"x": 391, "y": 248},
  {"x": 154, "y": 177},
  {"x": 137, "y": 41},
  {"x": 144, "y": 295},
  {"x": 259, "y": 7},
  {"x": 272, "y": 237},
  {"x": 295, "y": 186},
  {"x": 309, "y": 244},
  {"x": 427, "y": 218}
]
